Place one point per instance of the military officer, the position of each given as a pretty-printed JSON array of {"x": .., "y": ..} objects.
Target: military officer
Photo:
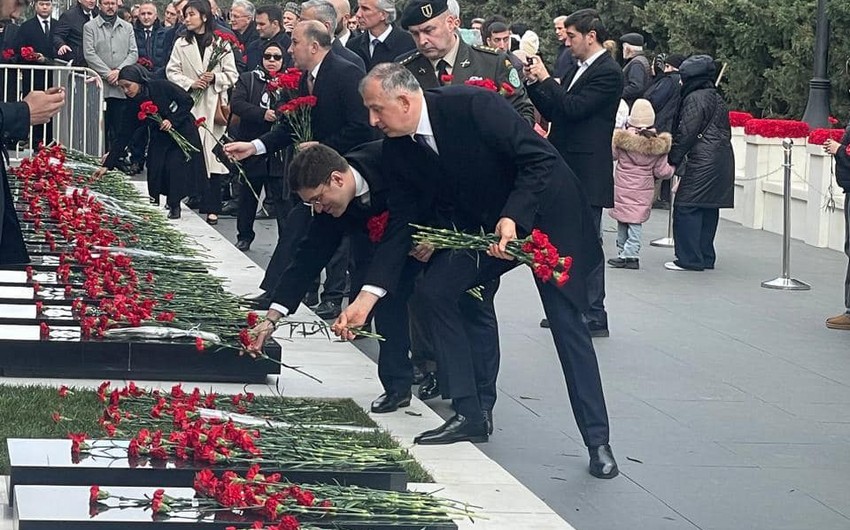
[{"x": 440, "y": 52}]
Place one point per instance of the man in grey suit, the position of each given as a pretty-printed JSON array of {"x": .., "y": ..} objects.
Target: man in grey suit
[{"x": 109, "y": 44}]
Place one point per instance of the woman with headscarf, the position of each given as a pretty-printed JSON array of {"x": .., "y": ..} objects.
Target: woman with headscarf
[
  {"x": 704, "y": 161},
  {"x": 187, "y": 67},
  {"x": 169, "y": 173},
  {"x": 253, "y": 104}
]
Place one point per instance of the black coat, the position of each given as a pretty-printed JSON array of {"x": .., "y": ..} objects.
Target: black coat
[
  {"x": 339, "y": 119},
  {"x": 249, "y": 36},
  {"x": 69, "y": 30},
  {"x": 348, "y": 55},
  {"x": 31, "y": 33},
  {"x": 254, "y": 51},
  {"x": 250, "y": 101},
  {"x": 842, "y": 164},
  {"x": 156, "y": 44},
  {"x": 582, "y": 121},
  {"x": 325, "y": 232},
  {"x": 166, "y": 161},
  {"x": 564, "y": 62},
  {"x": 398, "y": 42},
  {"x": 478, "y": 178},
  {"x": 702, "y": 151},
  {"x": 665, "y": 95},
  {"x": 14, "y": 124}
]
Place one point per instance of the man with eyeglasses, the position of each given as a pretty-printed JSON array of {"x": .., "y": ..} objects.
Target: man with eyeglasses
[
  {"x": 345, "y": 197},
  {"x": 242, "y": 14}
]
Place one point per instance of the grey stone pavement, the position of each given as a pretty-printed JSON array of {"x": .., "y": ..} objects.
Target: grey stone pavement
[{"x": 728, "y": 402}]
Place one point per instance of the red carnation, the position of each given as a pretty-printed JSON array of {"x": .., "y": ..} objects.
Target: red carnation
[
  {"x": 199, "y": 344},
  {"x": 200, "y": 121},
  {"x": 28, "y": 54},
  {"x": 376, "y": 225},
  {"x": 8, "y": 53},
  {"x": 252, "y": 319},
  {"x": 447, "y": 79},
  {"x": 63, "y": 391}
]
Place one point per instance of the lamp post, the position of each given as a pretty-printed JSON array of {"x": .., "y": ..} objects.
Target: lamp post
[{"x": 817, "y": 108}]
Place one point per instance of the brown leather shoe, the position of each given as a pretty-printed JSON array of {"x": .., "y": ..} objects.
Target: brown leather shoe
[{"x": 842, "y": 321}]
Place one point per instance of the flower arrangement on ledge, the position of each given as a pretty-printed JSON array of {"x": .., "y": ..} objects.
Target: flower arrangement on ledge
[
  {"x": 776, "y": 128},
  {"x": 738, "y": 118},
  {"x": 819, "y": 136}
]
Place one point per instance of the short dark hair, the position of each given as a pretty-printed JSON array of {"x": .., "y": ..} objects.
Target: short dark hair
[
  {"x": 497, "y": 27},
  {"x": 485, "y": 27},
  {"x": 275, "y": 13},
  {"x": 587, "y": 20},
  {"x": 313, "y": 166}
]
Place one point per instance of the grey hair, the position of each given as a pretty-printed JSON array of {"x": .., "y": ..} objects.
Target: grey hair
[
  {"x": 388, "y": 7},
  {"x": 454, "y": 8},
  {"x": 324, "y": 12},
  {"x": 317, "y": 32},
  {"x": 393, "y": 77},
  {"x": 246, "y": 5},
  {"x": 560, "y": 19}
]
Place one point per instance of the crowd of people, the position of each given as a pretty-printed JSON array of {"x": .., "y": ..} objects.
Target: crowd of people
[{"x": 401, "y": 135}]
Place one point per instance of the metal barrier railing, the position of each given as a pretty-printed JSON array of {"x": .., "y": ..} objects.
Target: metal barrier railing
[{"x": 79, "y": 125}]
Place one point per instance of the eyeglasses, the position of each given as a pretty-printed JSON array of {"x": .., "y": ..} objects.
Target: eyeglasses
[
  {"x": 272, "y": 56},
  {"x": 316, "y": 200}
]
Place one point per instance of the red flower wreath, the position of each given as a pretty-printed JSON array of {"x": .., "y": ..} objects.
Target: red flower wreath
[{"x": 376, "y": 226}]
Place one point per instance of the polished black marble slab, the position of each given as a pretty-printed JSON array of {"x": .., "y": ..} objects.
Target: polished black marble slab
[
  {"x": 49, "y": 461},
  {"x": 67, "y": 508}
]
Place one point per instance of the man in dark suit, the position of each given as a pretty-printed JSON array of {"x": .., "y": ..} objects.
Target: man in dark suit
[
  {"x": 242, "y": 13},
  {"x": 269, "y": 22},
  {"x": 441, "y": 52},
  {"x": 347, "y": 195},
  {"x": 581, "y": 110},
  {"x": 325, "y": 12},
  {"x": 147, "y": 33},
  {"x": 338, "y": 120},
  {"x": 35, "y": 33},
  {"x": 381, "y": 41},
  {"x": 508, "y": 181},
  {"x": 564, "y": 54},
  {"x": 68, "y": 33}
]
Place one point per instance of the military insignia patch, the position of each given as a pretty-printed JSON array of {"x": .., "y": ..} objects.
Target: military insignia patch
[
  {"x": 427, "y": 10},
  {"x": 173, "y": 107},
  {"x": 465, "y": 63},
  {"x": 513, "y": 78}
]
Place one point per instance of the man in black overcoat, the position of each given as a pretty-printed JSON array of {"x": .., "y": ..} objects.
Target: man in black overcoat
[
  {"x": 35, "y": 33},
  {"x": 68, "y": 33},
  {"x": 508, "y": 181},
  {"x": 347, "y": 195},
  {"x": 381, "y": 41},
  {"x": 581, "y": 110}
]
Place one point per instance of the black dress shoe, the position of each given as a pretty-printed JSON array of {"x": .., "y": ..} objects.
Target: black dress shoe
[
  {"x": 488, "y": 419},
  {"x": 193, "y": 203},
  {"x": 262, "y": 301},
  {"x": 390, "y": 402},
  {"x": 430, "y": 387},
  {"x": 230, "y": 208},
  {"x": 544, "y": 323},
  {"x": 154, "y": 201},
  {"x": 243, "y": 245},
  {"x": 617, "y": 263},
  {"x": 602, "y": 463},
  {"x": 457, "y": 429},
  {"x": 327, "y": 310},
  {"x": 174, "y": 212}
]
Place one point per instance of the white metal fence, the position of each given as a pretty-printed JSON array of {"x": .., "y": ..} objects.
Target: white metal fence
[{"x": 79, "y": 125}]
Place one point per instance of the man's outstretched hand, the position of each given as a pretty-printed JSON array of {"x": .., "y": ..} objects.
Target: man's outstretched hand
[{"x": 355, "y": 315}]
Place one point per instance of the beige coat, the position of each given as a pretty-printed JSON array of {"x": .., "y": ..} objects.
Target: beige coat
[{"x": 184, "y": 68}]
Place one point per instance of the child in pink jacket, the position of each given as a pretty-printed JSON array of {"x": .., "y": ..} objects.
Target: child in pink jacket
[{"x": 641, "y": 156}]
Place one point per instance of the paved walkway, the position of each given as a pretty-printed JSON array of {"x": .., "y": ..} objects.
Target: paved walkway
[{"x": 727, "y": 401}]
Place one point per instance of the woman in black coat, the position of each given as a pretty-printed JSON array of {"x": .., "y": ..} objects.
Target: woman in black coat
[
  {"x": 169, "y": 173},
  {"x": 252, "y": 103},
  {"x": 702, "y": 154}
]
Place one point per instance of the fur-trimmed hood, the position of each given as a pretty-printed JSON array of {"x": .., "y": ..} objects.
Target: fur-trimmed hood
[{"x": 632, "y": 142}]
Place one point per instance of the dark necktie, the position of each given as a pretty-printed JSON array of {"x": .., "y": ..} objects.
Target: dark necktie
[
  {"x": 442, "y": 70},
  {"x": 422, "y": 140},
  {"x": 375, "y": 44},
  {"x": 148, "y": 43},
  {"x": 311, "y": 82},
  {"x": 46, "y": 27}
]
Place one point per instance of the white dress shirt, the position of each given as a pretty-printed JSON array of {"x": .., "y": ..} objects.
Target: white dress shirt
[
  {"x": 382, "y": 37},
  {"x": 584, "y": 65}
]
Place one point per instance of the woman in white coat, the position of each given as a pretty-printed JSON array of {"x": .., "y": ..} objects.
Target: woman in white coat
[{"x": 187, "y": 67}]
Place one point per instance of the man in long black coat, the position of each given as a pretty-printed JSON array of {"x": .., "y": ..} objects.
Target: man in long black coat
[
  {"x": 347, "y": 195},
  {"x": 509, "y": 181},
  {"x": 35, "y": 33},
  {"x": 381, "y": 41},
  {"x": 581, "y": 110}
]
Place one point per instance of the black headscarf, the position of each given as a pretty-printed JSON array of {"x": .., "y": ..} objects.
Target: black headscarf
[
  {"x": 137, "y": 74},
  {"x": 261, "y": 72}
]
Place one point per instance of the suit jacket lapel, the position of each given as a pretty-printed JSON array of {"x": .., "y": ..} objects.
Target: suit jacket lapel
[{"x": 585, "y": 76}]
